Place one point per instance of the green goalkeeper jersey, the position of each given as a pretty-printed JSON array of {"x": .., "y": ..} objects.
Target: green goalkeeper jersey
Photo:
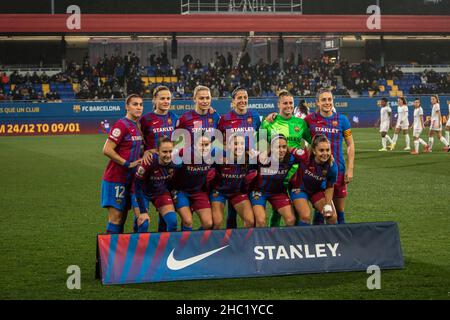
[{"x": 294, "y": 129}]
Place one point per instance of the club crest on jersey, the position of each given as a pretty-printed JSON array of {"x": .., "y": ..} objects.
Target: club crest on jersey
[
  {"x": 210, "y": 121},
  {"x": 256, "y": 195},
  {"x": 249, "y": 120},
  {"x": 324, "y": 172},
  {"x": 118, "y": 201},
  {"x": 334, "y": 123},
  {"x": 297, "y": 129},
  {"x": 141, "y": 171},
  {"x": 169, "y": 121},
  {"x": 116, "y": 132}
]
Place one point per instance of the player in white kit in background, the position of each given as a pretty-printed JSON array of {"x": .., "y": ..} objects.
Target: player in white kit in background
[
  {"x": 436, "y": 124},
  {"x": 385, "y": 123},
  {"x": 418, "y": 128},
  {"x": 447, "y": 126},
  {"x": 402, "y": 124}
]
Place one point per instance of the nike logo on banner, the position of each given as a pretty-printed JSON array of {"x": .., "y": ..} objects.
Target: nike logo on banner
[{"x": 174, "y": 264}]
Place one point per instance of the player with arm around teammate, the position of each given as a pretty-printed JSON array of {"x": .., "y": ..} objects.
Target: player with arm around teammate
[
  {"x": 188, "y": 185},
  {"x": 316, "y": 177},
  {"x": 269, "y": 186},
  {"x": 123, "y": 148},
  {"x": 229, "y": 183},
  {"x": 240, "y": 120},
  {"x": 158, "y": 123},
  {"x": 151, "y": 185},
  {"x": 336, "y": 128}
]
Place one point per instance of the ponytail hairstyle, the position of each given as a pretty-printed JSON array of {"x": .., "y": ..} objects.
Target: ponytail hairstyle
[
  {"x": 436, "y": 97},
  {"x": 319, "y": 138},
  {"x": 131, "y": 96},
  {"x": 279, "y": 137},
  {"x": 283, "y": 93}
]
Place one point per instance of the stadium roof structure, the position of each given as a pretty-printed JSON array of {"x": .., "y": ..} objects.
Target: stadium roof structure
[{"x": 217, "y": 23}]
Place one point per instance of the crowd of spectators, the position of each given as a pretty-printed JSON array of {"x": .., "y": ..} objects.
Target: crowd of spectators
[{"x": 114, "y": 77}]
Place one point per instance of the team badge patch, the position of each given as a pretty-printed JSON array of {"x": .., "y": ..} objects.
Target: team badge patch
[
  {"x": 334, "y": 123},
  {"x": 300, "y": 152},
  {"x": 118, "y": 201},
  {"x": 141, "y": 171},
  {"x": 116, "y": 132},
  {"x": 249, "y": 120},
  {"x": 297, "y": 129},
  {"x": 169, "y": 121},
  {"x": 210, "y": 121},
  {"x": 256, "y": 195}
]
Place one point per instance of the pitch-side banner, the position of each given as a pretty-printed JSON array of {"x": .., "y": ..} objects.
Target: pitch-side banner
[{"x": 234, "y": 253}]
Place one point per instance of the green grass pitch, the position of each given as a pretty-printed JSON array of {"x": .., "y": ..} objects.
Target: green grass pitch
[{"x": 50, "y": 214}]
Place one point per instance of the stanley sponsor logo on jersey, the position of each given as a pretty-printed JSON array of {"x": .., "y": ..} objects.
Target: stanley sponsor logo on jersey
[{"x": 296, "y": 251}]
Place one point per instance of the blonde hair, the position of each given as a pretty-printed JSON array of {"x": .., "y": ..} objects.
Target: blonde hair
[{"x": 200, "y": 88}]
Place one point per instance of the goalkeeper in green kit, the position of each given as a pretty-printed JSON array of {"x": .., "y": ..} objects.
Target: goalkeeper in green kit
[{"x": 294, "y": 129}]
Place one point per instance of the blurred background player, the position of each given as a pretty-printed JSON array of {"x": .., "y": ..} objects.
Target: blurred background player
[
  {"x": 336, "y": 128},
  {"x": 316, "y": 175},
  {"x": 273, "y": 167},
  {"x": 418, "y": 128},
  {"x": 158, "y": 123},
  {"x": 447, "y": 126},
  {"x": 229, "y": 184},
  {"x": 436, "y": 124},
  {"x": 302, "y": 110},
  {"x": 402, "y": 124},
  {"x": 240, "y": 120},
  {"x": 151, "y": 185},
  {"x": 385, "y": 123},
  {"x": 189, "y": 185},
  {"x": 123, "y": 147},
  {"x": 294, "y": 129}
]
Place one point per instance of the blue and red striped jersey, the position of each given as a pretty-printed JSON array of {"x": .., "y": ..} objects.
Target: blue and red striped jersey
[
  {"x": 336, "y": 128},
  {"x": 127, "y": 136},
  {"x": 154, "y": 126}
]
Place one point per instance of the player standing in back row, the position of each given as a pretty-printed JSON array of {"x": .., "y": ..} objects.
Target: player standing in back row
[{"x": 336, "y": 128}]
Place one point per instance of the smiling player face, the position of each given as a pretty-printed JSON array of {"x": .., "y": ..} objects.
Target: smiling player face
[
  {"x": 134, "y": 108},
  {"x": 162, "y": 101},
  {"x": 325, "y": 103},
  {"x": 322, "y": 152},
  {"x": 165, "y": 152},
  {"x": 286, "y": 106},
  {"x": 238, "y": 146},
  {"x": 240, "y": 101},
  {"x": 280, "y": 151}
]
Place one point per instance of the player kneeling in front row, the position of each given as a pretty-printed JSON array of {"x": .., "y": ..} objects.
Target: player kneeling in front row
[
  {"x": 189, "y": 184},
  {"x": 151, "y": 184},
  {"x": 314, "y": 181},
  {"x": 229, "y": 183},
  {"x": 268, "y": 184}
]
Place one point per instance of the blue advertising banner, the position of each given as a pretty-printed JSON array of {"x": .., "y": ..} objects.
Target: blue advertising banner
[
  {"x": 255, "y": 252},
  {"x": 79, "y": 117}
]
